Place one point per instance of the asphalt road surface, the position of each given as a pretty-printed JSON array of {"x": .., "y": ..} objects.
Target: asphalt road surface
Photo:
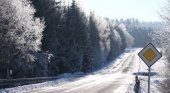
[{"x": 116, "y": 79}]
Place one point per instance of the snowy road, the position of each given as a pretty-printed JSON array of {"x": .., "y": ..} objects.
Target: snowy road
[{"x": 114, "y": 79}]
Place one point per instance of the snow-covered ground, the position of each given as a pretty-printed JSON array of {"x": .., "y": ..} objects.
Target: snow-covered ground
[{"x": 117, "y": 77}]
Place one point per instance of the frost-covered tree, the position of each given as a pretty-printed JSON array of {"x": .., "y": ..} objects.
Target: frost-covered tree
[
  {"x": 106, "y": 39},
  {"x": 126, "y": 39},
  {"x": 20, "y": 37},
  {"x": 139, "y": 30},
  {"x": 165, "y": 30},
  {"x": 76, "y": 41},
  {"x": 115, "y": 42},
  {"x": 53, "y": 13},
  {"x": 94, "y": 41},
  {"x": 161, "y": 37},
  {"x": 65, "y": 35},
  {"x": 142, "y": 35}
]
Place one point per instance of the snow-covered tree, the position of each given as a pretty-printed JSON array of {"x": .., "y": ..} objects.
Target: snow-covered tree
[
  {"x": 161, "y": 37},
  {"x": 141, "y": 31},
  {"x": 126, "y": 39},
  {"x": 94, "y": 41},
  {"x": 65, "y": 35},
  {"x": 20, "y": 36},
  {"x": 76, "y": 41},
  {"x": 115, "y": 42},
  {"x": 53, "y": 13}
]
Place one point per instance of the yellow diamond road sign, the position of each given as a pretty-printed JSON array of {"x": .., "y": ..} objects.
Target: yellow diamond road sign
[{"x": 149, "y": 55}]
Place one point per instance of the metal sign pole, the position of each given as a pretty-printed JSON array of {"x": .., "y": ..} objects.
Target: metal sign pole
[{"x": 149, "y": 80}]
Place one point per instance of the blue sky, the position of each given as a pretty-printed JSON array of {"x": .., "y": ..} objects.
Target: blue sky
[{"x": 144, "y": 10}]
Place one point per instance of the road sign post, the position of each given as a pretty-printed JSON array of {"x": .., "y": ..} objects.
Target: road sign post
[
  {"x": 149, "y": 55},
  {"x": 149, "y": 80}
]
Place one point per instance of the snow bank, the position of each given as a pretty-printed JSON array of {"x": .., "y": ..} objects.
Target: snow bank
[{"x": 63, "y": 79}]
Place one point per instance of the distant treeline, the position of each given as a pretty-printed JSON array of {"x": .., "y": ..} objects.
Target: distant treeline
[
  {"x": 51, "y": 37},
  {"x": 141, "y": 31}
]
